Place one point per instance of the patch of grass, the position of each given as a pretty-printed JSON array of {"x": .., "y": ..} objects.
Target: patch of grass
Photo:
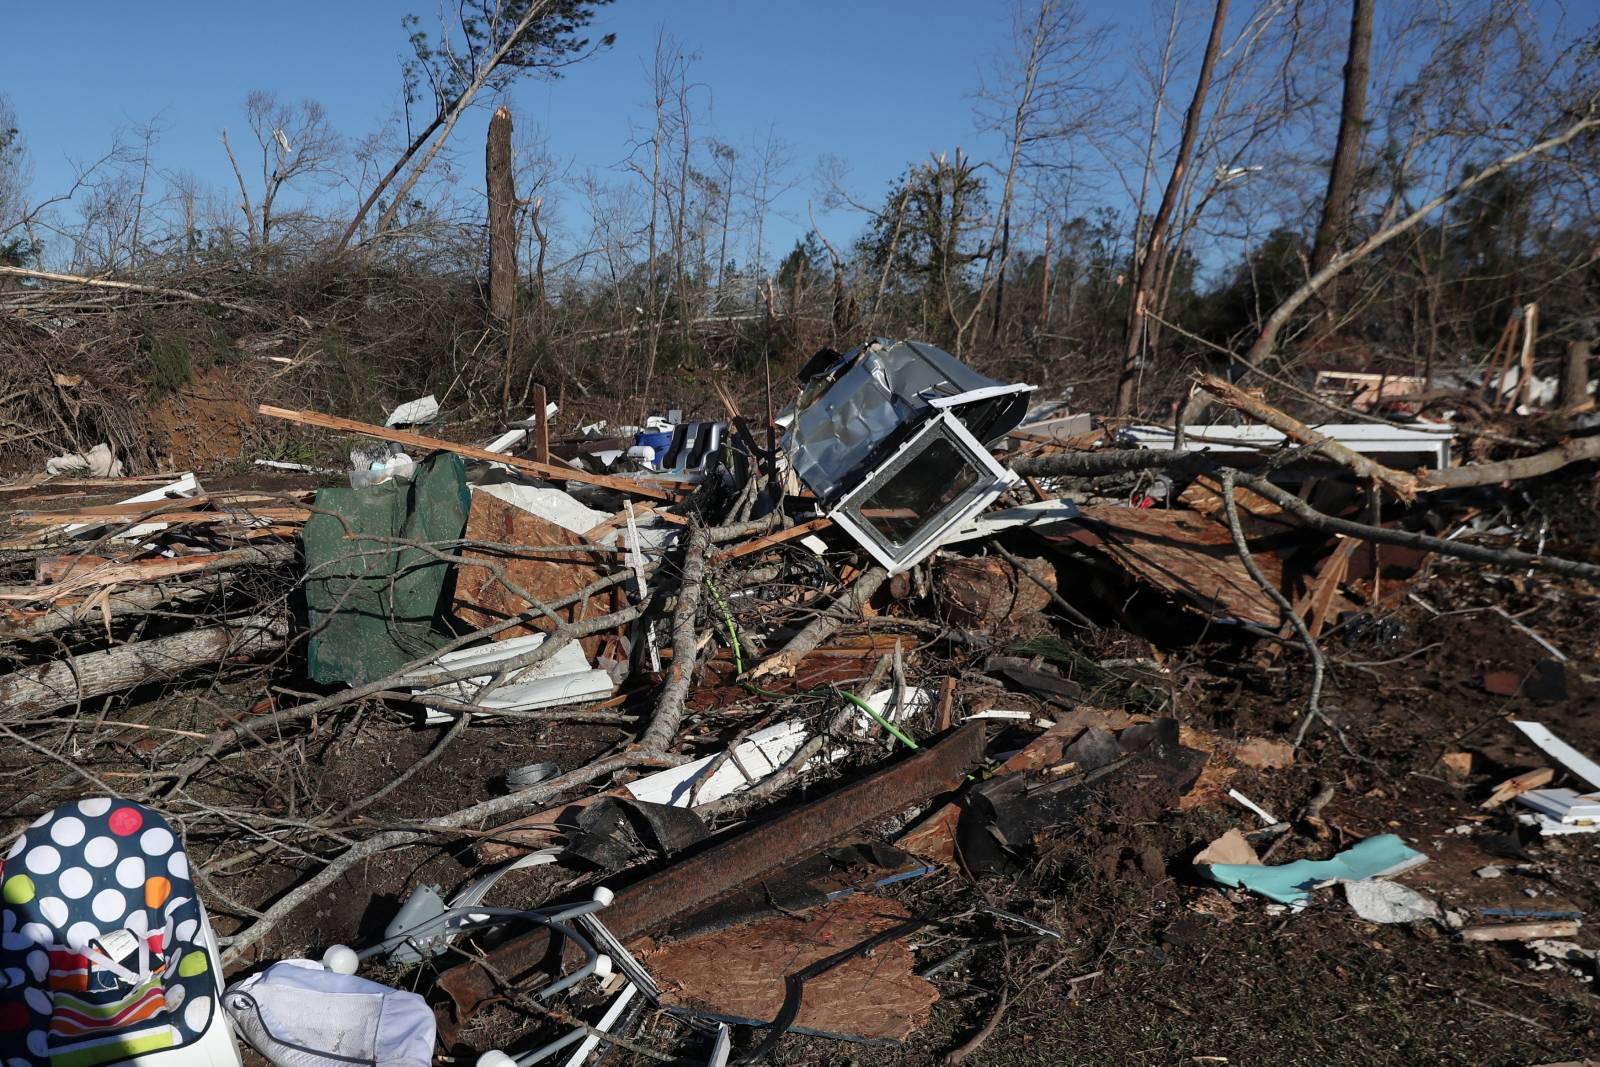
[{"x": 170, "y": 366}]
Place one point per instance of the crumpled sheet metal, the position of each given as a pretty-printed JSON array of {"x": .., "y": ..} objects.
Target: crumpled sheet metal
[
  {"x": 847, "y": 417},
  {"x": 1179, "y": 552}
]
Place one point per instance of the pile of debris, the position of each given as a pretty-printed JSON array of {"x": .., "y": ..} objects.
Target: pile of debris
[{"x": 906, "y": 632}]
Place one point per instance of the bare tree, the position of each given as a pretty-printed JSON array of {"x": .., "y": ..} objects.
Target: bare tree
[
  {"x": 1338, "y": 203},
  {"x": 1147, "y": 256},
  {"x": 295, "y": 142},
  {"x": 486, "y": 45}
]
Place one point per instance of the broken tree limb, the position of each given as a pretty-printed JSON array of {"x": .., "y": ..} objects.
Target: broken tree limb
[
  {"x": 133, "y": 287},
  {"x": 1266, "y": 343},
  {"x": 67, "y": 576},
  {"x": 1574, "y": 450},
  {"x": 845, "y": 609},
  {"x": 663, "y": 728},
  {"x": 551, "y": 471},
  {"x": 43, "y": 689},
  {"x": 115, "y": 604},
  {"x": 1314, "y": 701},
  {"x": 476, "y": 815},
  {"x": 1504, "y": 557},
  {"x": 237, "y": 732},
  {"x": 1229, "y": 395}
]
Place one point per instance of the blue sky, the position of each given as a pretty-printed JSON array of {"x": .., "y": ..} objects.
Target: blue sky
[{"x": 878, "y": 82}]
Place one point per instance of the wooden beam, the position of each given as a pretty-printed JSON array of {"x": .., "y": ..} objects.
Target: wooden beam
[
  {"x": 101, "y": 516},
  {"x": 761, "y": 544},
  {"x": 541, "y": 429},
  {"x": 551, "y": 471}
]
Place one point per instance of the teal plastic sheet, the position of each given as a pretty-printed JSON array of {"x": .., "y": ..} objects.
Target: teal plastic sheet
[
  {"x": 371, "y": 604},
  {"x": 1292, "y": 883}
]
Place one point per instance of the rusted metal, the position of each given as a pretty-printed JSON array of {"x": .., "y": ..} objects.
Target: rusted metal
[{"x": 702, "y": 880}]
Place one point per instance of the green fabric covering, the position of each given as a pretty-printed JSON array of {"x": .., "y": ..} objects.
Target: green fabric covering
[{"x": 372, "y": 605}]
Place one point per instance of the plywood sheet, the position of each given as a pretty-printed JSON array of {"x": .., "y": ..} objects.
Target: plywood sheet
[
  {"x": 482, "y": 598},
  {"x": 740, "y": 971}
]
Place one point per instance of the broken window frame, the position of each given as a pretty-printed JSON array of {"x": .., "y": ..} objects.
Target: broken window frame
[{"x": 928, "y": 537}]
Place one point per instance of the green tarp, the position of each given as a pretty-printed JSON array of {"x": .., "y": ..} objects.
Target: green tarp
[{"x": 372, "y": 604}]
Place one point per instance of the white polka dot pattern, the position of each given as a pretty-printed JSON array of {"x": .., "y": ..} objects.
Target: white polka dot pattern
[
  {"x": 110, "y": 906},
  {"x": 94, "y": 807},
  {"x": 42, "y": 860},
  {"x": 130, "y": 872},
  {"x": 156, "y": 841},
  {"x": 68, "y": 831},
  {"x": 75, "y": 882},
  {"x": 54, "y": 910},
  {"x": 101, "y": 852},
  {"x": 197, "y": 1013},
  {"x": 79, "y": 935}
]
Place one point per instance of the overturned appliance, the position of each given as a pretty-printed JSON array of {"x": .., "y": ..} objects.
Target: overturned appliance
[{"x": 892, "y": 438}]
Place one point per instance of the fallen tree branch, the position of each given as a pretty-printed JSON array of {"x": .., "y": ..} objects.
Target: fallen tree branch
[
  {"x": 229, "y": 736},
  {"x": 494, "y": 808},
  {"x": 42, "y": 689},
  {"x": 1574, "y": 450},
  {"x": 1502, "y": 557},
  {"x": 1402, "y": 484},
  {"x": 663, "y": 728},
  {"x": 1318, "y": 667},
  {"x": 134, "y": 287},
  {"x": 846, "y": 608},
  {"x": 1093, "y": 464}
]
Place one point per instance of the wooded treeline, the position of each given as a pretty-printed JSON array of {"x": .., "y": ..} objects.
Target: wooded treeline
[{"x": 1149, "y": 199}]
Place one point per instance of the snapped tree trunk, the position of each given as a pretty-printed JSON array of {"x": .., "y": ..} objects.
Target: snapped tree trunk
[
  {"x": 502, "y": 218},
  {"x": 1150, "y": 255},
  {"x": 1575, "y": 384}
]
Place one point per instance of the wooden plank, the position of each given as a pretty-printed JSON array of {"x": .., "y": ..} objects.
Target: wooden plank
[
  {"x": 102, "y": 516},
  {"x": 85, "y": 572},
  {"x": 1516, "y": 786},
  {"x": 541, "y": 429},
  {"x": 1521, "y": 931},
  {"x": 595, "y": 532},
  {"x": 551, "y": 471},
  {"x": 761, "y": 544}
]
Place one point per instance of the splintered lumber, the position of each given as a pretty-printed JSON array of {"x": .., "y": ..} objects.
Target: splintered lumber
[
  {"x": 482, "y": 598},
  {"x": 1514, "y": 787},
  {"x": 550, "y": 471},
  {"x": 1229, "y": 395},
  {"x": 64, "y": 682},
  {"x": 739, "y": 971},
  {"x": 168, "y": 518},
  {"x": 761, "y": 544},
  {"x": 1521, "y": 931},
  {"x": 75, "y": 573}
]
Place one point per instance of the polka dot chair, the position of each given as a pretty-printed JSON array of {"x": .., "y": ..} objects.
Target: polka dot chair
[{"x": 106, "y": 956}]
